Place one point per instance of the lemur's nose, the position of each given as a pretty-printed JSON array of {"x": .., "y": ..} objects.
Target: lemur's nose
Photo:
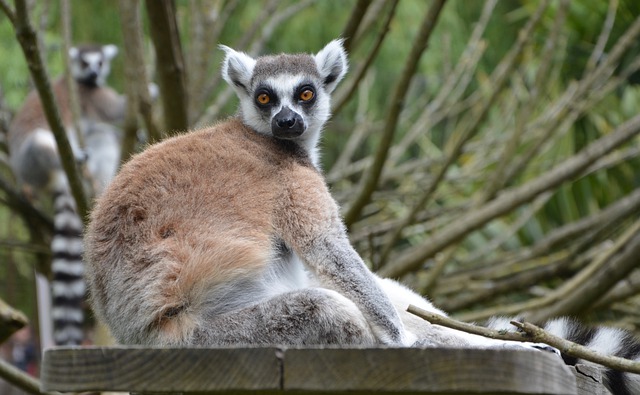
[
  {"x": 286, "y": 118},
  {"x": 287, "y": 124}
]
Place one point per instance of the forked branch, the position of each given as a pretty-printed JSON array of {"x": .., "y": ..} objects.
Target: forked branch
[{"x": 531, "y": 333}]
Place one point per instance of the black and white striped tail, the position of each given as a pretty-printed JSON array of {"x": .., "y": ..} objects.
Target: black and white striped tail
[
  {"x": 68, "y": 287},
  {"x": 604, "y": 340},
  {"x": 607, "y": 341}
]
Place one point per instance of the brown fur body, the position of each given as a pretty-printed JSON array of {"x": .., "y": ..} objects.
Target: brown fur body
[
  {"x": 199, "y": 216},
  {"x": 34, "y": 156},
  {"x": 100, "y": 104}
]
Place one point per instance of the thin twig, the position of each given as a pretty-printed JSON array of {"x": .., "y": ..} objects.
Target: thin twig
[
  {"x": 625, "y": 289},
  {"x": 466, "y": 131},
  {"x": 28, "y": 39},
  {"x": 137, "y": 89},
  {"x": 607, "y": 267},
  {"x": 531, "y": 333},
  {"x": 513, "y": 198},
  {"x": 11, "y": 320},
  {"x": 598, "y": 49},
  {"x": 497, "y": 179},
  {"x": 575, "y": 350},
  {"x": 625, "y": 207},
  {"x": 350, "y": 29},
  {"x": 8, "y": 11},
  {"x": 74, "y": 104},
  {"x": 595, "y": 280},
  {"x": 165, "y": 36},
  {"x": 364, "y": 66},
  {"x": 442, "y": 320},
  {"x": 372, "y": 176},
  {"x": 22, "y": 380}
]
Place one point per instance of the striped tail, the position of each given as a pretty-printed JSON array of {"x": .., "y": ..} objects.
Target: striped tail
[
  {"x": 607, "y": 341},
  {"x": 68, "y": 287},
  {"x": 604, "y": 340}
]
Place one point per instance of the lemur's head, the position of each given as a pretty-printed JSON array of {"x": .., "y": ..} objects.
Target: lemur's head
[
  {"x": 286, "y": 96},
  {"x": 91, "y": 64}
]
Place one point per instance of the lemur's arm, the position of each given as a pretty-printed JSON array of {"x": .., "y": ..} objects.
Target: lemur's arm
[{"x": 309, "y": 222}]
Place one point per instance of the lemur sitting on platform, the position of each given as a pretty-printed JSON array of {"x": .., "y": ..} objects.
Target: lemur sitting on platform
[{"x": 228, "y": 235}]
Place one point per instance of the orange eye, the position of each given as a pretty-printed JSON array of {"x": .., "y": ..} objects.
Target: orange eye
[
  {"x": 263, "y": 98},
  {"x": 306, "y": 95}
]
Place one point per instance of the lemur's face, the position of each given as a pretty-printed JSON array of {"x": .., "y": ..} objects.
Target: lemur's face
[
  {"x": 90, "y": 65},
  {"x": 286, "y": 96},
  {"x": 286, "y": 103}
]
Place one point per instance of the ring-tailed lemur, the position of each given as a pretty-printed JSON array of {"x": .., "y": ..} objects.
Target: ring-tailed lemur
[
  {"x": 229, "y": 235},
  {"x": 35, "y": 162}
]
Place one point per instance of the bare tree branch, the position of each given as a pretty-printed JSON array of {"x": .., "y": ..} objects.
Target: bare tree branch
[
  {"x": 465, "y": 132},
  {"x": 498, "y": 179},
  {"x": 170, "y": 64},
  {"x": 21, "y": 205},
  {"x": 442, "y": 320},
  {"x": 364, "y": 66},
  {"x": 11, "y": 320},
  {"x": 8, "y": 11},
  {"x": 576, "y": 350},
  {"x": 504, "y": 203},
  {"x": 372, "y": 176},
  {"x": 74, "y": 104},
  {"x": 612, "y": 214},
  {"x": 137, "y": 90},
  {"x": 626, "y": 288},
  {"x": 598, "y": 49},
  {"x": 535, "y": 334},
  {"x": 29, "y": 42},
  {"x": 615, "y": 261},
  {"x": 21, "y": 379},
  {"x": 584, "y": 289},
  {"x": 354, "y": 22},
  {"x": 207, "y": 18}
]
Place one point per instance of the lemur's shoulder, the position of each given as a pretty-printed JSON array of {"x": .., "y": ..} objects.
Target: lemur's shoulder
[{"x": 228, "y": 143}]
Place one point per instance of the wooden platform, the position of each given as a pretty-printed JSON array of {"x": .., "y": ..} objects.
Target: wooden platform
[{"x": 286, "y": 370}]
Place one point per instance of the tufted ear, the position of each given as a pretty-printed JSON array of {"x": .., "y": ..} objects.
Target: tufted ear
[
  {"x": 73, "y": 52},
  {"x": 332, "y": 64},
  {"x": 109, "y": 51},
  {"x": 237, "y": 69}
]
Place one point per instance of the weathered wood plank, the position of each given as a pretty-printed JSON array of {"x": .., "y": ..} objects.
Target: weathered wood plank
[
  {"x": 160, "y": 370},
  {"x": 589, "y": 380},
  {"x": 273, "y": 370},
  {"x": 427, "y": 371}
]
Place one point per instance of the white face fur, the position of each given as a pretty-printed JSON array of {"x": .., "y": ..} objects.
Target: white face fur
[
  {"x": 287, "y": 96},
  {"x": 92, "y": 65}
]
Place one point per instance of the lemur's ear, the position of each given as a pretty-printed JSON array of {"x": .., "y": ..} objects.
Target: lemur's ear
[
  {"x": 73, "y": 52},
  {"x": 237, "y": 69},
  {"x": 109, "y": 51},
  {"x": 332, "y": 64}
]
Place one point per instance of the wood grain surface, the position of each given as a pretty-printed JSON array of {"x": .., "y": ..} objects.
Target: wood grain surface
[{"x": 309, "y": 370}]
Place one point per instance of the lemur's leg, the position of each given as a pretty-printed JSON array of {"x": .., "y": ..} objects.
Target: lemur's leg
[{"x": 304, "y": 317}]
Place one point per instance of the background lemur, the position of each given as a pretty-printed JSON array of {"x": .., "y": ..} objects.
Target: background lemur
[
  {"x": 229, "y": 235},
  {"x": 35, "y": 162}
]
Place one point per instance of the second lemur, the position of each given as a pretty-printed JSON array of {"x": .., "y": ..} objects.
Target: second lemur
[{"x": 36, "y": 164}]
